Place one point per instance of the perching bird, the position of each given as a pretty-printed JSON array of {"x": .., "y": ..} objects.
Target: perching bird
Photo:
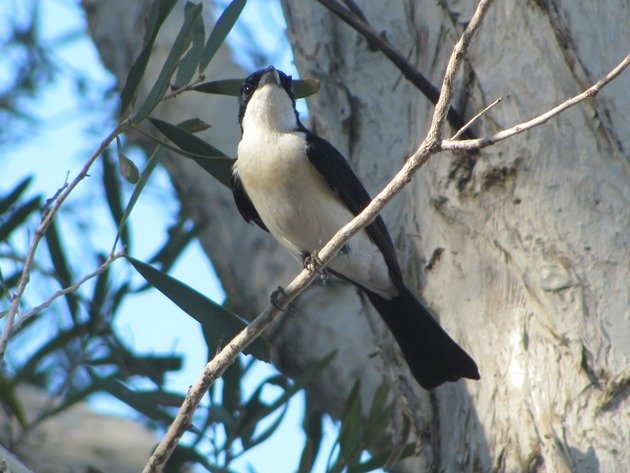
[{"x": 297, "y": 186}]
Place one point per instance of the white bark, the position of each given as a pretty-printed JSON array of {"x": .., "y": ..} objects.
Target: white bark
[{"x": 536, "y": 236}]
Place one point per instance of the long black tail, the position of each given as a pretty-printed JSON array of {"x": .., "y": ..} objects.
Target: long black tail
[{"x": 433, "y": 357}]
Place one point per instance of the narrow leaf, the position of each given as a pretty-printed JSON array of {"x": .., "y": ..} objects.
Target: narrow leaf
[
  {"x": 127, "y": 168},
  {"x": 114, "y": 195},
  {"x": 11, "y": 400},
  {"x": 305, "y": 87},
  {"x": 313, "y": 428},
  {"x": 220, "y": 31},
  {"x": 12, "y": 197},
  {"x": 160, "y": 9},
  {"x": 231, "y": 87},
  {"x": 185, "y": 140},
  {"x": 190, "y": 61},
  {"x": 148, "y": 169},
  {"x": 62, "y": 269},
  {"x": 231, "y": 397},
  {"x": 194, "y": 125},
  {"x": 18, "y": 217},
  {"x": 179, "y": 47},
  {"x": 213, "y": 161},
  {"x": 221, "y": 323}
]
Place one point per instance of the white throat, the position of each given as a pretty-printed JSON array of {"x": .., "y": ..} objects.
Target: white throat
[{"x": 270, "y": 108}]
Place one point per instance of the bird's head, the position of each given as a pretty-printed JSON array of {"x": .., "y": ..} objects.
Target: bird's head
[{"x": 267, "y": 100}]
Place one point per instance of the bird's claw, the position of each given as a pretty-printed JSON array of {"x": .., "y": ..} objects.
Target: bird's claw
[
  {"x": 312, "y": 262},
  {"x": 276, "y": 296}
]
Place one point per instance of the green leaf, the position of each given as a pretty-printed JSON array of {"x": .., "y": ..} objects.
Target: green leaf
[
  {"x": 220, "y": 323},
  {"x": 127, "y": 168},
  {"x": 62, "y": 270},
  {"x": 378, "y": 418},
  {"x": 18, "y": 217},
  {"x": 144, "y": 177},
  {"x": 351, "y": 432},
  {"x": 232, "y": 87},
  {"x": 251, "y": 416},
  {"x": 129, "y": 397},
  {"x": 177, "y": 241},
  {"x": 114, "y": 195},
  {"x": 12, "y": 197},
  {"x": 305, "y": 87},
  {"x": 160, "y": 9},
  {"x": 11, "y": 400},
  {"x": 190, "y": 61},
  {"x": 194, "y": 125},
  {"x": 185, "y": 140},
  {"x": 379, "y": 460},
  {"x": 162, "y": 83},
  {"x": 60, "y": 340},
  {"x": 153, "y": 367},
  {"x": 220, "y": 31},
  {"x": 313, "y": 428},
  {"x": 213, "y": 161},
  {"x": 183, "y": 455},
  {"x": 231, "y": 397}
]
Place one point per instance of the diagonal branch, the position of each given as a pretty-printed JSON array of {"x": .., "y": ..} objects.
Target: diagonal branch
[
  {"x": 55, "y": 204},
  {"x": 540, "y": 119},
  {"x": 215, "y": 368},
  {"x": 67, "y": 290},
  {"x": 375, "y": 40}
]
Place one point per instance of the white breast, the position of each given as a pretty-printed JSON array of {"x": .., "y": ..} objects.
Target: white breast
[{"x": 300, "y": 210}]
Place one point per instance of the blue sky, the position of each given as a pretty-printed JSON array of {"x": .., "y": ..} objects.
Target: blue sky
[{"x": 66, "y": 134}]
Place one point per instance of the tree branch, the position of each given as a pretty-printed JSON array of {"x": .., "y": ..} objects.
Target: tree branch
[
  {"x": 36, "y": 310},
  {"x": 55, "y": 203},
  {"x": 378, "y": 42},
  {"x": 468, "y": 145},
  {"x": 215, "y": 368}
]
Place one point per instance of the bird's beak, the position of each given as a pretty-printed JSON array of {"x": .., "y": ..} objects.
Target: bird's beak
[{"x": 270, "y": 77}]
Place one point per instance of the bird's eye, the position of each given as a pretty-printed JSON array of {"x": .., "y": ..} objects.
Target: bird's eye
[{"x": 247, "y": 89}]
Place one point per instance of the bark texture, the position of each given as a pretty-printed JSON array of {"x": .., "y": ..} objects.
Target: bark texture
[{"x": 522, "y": 251}]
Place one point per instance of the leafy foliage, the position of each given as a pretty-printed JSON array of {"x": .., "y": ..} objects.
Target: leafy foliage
[{"x": 84, "y": 354}]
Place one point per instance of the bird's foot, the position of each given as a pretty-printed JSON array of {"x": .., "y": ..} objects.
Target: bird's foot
[
  {"x": 277, "y": 297},
  {"x": 313, "y": 263}
]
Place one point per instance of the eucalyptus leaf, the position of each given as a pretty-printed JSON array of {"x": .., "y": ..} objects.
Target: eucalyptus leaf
[
  {"x": 18, "y": 216},
  {"x": 221, "y": 29},
  {"x": 126, "y": 166},
  {"x": 160, "y": 9},
  {"x": 144, "y": 177},
  {"x": 61, "y": 267},
  {"x": 190, "y": 61},
  {"x": 213, "y": 161},
  {"x": 194, "y": 125},
  {"x": 12, "y": 197},
  {"x": 182, "y": 41},
  {"x": 220, "y": 323},
  {"x": 114, "y": 195},
  {"x": 232, "y": 87}
]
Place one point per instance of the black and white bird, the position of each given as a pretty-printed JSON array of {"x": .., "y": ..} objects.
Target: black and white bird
[{"x": 298, "y": 187}]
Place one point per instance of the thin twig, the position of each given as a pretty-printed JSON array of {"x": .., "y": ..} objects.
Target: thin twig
[
  {"x": 474, "y": 119},
  {"x": 215, "y": 368},
  {"x": 41, "y": 231},
  {"x": 540, "y": 119},
  {"x": 36, "y": 310}
]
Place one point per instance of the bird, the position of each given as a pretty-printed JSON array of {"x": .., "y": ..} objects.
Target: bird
[{"x": 299, "y": 187}]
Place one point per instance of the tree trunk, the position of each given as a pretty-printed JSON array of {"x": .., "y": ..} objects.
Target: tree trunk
[{"x": 522, "y": 251}]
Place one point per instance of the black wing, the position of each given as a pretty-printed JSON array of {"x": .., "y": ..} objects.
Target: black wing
[
  {"x": 243, "y": 202},
  {"x": 341, "y": 178}
]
